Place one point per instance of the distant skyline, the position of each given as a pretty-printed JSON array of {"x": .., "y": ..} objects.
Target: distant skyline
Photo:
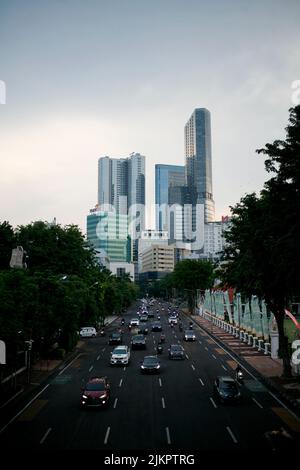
[{"x": 85, "y": 79}]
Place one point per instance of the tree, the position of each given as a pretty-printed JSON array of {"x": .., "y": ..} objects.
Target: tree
[
  {"x": 190, "y": 275},
  {"x": 7, "y": 243},
  {"x": 263, "y": 250}
]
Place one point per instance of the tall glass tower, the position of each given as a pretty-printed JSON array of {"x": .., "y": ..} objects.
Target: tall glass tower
[
  {"x": 169, "y": 182},
  {"x": 197, "y": 140}
]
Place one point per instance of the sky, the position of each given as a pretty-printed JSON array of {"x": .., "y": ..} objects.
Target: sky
[{"x": 81, "y": 79}]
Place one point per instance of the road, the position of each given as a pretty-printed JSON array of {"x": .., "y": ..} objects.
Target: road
[{"x": 167, "y": 412}]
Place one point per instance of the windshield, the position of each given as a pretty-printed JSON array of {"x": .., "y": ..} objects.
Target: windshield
[
  {"x": 229, "y": 386},
  {"x": 176, "y": 348},
  {"x": 138, "y": 338},
  {"x": 115, "y": 335},
  {"x": 95, "y": 387},
  {"x": 150, "y": 361},
  {"x": 120, "y": 352}
]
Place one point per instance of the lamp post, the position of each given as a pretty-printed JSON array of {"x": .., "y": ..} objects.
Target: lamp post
[{"x": 28, "y": 351}]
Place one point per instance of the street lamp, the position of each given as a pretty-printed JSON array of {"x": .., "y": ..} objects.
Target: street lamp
[{"x": 28, "y": 353}]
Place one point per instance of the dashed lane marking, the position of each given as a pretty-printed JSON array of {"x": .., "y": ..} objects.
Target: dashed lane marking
[
  {"x": 231, "y": 435},
  {"x": 107, "y": 435},
  {"x": 45, "y": 436}
]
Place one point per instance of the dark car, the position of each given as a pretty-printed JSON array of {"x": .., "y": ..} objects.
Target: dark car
[
  {"x": 176, "y": 351},
  {"x": 96, "y": 392},
  {"x": 115, "y": 338},
  {"x": 226, "y": 389},
  {"x": 143, "y": 330},
  {"x": 189, "y": 335},
  {"x": 150, "y": 364},
  {"x": 138, "y": 342},
  {"x": 150, "y": 315},
  {"x": 144, "y": 317},
  {"x": 156, "y": 326}
]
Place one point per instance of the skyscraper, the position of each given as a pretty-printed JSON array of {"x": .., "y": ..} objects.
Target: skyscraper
[
  {"x": 121, "y": 184},
  {"x": 169, "y": 185},
  {"x": 198, "y": 164}
]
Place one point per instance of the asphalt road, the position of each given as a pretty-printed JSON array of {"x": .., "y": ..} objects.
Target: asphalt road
[{"x": 171, "y": 411}]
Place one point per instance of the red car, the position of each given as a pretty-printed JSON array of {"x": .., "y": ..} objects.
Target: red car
[{"x": 96, "y": 392}]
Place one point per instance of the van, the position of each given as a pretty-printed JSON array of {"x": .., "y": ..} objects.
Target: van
[{"x": 88, "y": 332}]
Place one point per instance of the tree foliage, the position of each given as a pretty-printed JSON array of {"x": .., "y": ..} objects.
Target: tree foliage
[{"x": 263, "y": 250}]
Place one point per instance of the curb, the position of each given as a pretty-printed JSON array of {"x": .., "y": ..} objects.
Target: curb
[{"x": 284, "y": 395}]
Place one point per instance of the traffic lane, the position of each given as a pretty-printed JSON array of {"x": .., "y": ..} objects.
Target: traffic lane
[
  {"x": 193, "y": 421},
  {"x": 139, "y": 418},
  {"x": 259, "y": 393},
  {"x": 259, "y": 419},
  {"x": 57, "y": 401}
]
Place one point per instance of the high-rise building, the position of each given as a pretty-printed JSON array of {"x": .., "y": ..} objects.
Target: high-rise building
[
  {"x": 108, "y": 234},
  {"x": 198, "y": 164},
  {"x": 121, "y": 184},
  {"x": 169, "y": 190}
]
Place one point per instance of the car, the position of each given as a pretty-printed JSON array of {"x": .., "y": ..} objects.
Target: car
[
  {"x": 115, "y": 338},
  {"x": 88, "y": 332},
  {"x": 96, "y": 392},
  {"x": 120, "y": 355},
  {"x": 144, "y": 317},
  {"x": 189, "y": 335},
  {"x": 134, "y": 322},
  {"x": 173, "y": 319},
  {"x": 156, "y": 326},
  {"x": 143, "y": 330},
  {"x": 226, "y": 389},
  {"x": 176, "y": 351},
  {"x": 150, "y": 364},
  {"x": 138, "y": 342},
  {"x": 150, "y": 315}
]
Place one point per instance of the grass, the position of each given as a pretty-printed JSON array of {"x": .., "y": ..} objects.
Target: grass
[{"x": 291, "y": 330}]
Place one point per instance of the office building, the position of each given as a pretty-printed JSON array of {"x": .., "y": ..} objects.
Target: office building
[
  {"x": 169, "y": 179},
  {"x": 198, "y": 162},
  {"x": 108, "y": 234}
]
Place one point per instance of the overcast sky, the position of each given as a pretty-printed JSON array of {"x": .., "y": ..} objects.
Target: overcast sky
[{"x": 88, "y": 78}]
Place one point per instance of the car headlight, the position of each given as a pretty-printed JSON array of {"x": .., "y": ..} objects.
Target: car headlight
[
  {"x": 142, "y": 367},
  {"x": 158, "y": 366},
  {"x": 102, "y": 396},
  {"x": 85, "y": 397}
]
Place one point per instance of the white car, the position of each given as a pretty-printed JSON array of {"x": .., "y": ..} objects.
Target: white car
[
  {"x": 88, "y": 332},
  {"x": 134, "y": 322},
  {"x": 120, "y": 355},
  {"x": 173, "y": 319}
]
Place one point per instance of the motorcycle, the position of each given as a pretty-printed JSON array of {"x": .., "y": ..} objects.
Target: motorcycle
[
  {"x": 123, "y": 322},
  {"x": 102, "y": 332},
  {"x": 159, "y": 349},
  {"x": 239, "y": 376},
  {"x": 162, "y": 338}
]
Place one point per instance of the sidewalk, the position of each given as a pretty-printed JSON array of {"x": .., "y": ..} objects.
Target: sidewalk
[
  {"x": 40, "y": 371},
  {"x": 269, "y": 369}
]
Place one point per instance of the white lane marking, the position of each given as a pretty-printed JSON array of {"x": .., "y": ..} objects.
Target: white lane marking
[
  {"x": 213, "y": 402},
  {"x": 192, "y": 366},
  {"x": 175, "y": 336},
  {"x": 284, "y": 406},
  {"x": 115, "y": 402},
  {"x": 224, "y": 367},
  {"x": 12, "y": 398},
  {"x": 163, "y": 402},
  {"x": 200, "y": 342},
  {"x": 206, "y": 348},
  {"x": 186, "y": 356},
  {"x": 23, "y": 409},
  {"x": 228, "y": 353},
  {"x": 154, "y": 341},
  {"x": 65, "y": 368},
  {"x": 124, "y": 368},
  {"x": 258, "y": 404},
  {"x": 98, "y": 357},
  {"x": 201, "y": 381},
  {"x": 120, "y": 384},
  {"x": 160, "y": 383},
  {"x": 103, "y": 349},
  {"x": 107, "y": 435},
  {"x": 168, "y": 436},
  {"x": 232, "y": 435},
  {"x": 214, "y": 356},
  {"x": 91, "y": 368},
  {"x": 45, "y": 436}
]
